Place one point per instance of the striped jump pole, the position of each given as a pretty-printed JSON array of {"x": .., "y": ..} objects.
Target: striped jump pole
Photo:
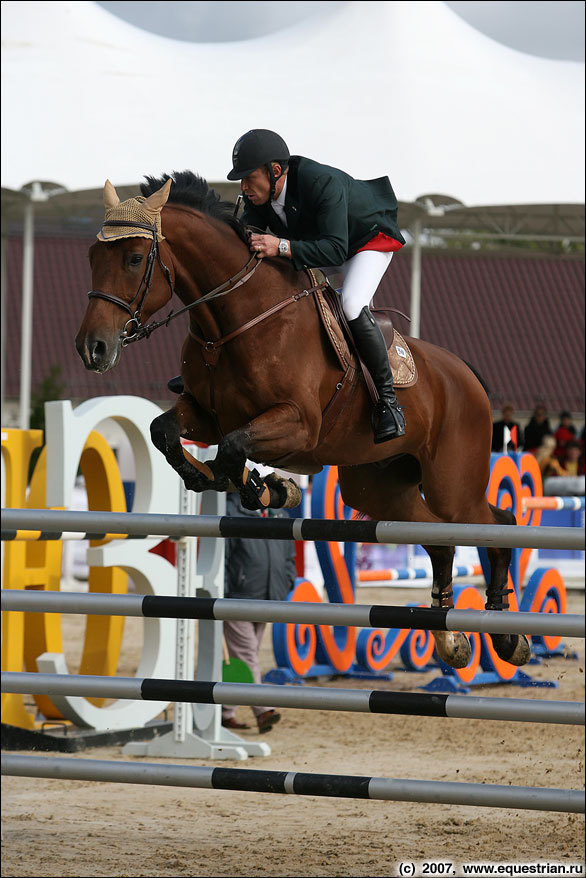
[
  {"x": 309, "y": 698},
  {"x": 296, "y": 783},
  {"x": 31, "y": 536},
  {"x": 575, "y": 504},
  {"x": 295, "y": 612},
  {"x": 96, "y": 524},
  {"x": 395, "y": 574}
]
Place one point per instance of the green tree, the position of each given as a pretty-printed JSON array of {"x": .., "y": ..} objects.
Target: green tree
[{"x": 50, "y": 387}]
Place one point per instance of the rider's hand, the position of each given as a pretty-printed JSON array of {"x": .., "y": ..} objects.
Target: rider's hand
[{"x": 264, "y": 245}]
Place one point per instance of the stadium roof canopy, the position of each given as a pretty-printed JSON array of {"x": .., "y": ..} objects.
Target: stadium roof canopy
[
  {"x": 399, "y": 88},
  {"x": 403, "y": 89}
]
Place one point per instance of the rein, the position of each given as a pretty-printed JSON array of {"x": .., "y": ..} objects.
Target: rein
[
  {"x": 290, "y": 300},
  {"x": 139, "y": 332},
  {"x": 210, "y": 350}
]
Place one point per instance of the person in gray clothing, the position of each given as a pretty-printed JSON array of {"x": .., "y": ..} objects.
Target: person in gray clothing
[{"x": 258, "y": 570}]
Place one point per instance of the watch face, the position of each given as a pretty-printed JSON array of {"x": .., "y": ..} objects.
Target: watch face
[{"x": 283, "y": 247}]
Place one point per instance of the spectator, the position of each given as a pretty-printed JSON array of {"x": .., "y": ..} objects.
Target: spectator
[
  {"x": 498, "y": 432},
  {"x": 259, "y": 570},
  {"x": 574, "y": 462},
  {"x": 564, "y": 434},
  {"x": 548, "y": 462},
  {"x": 537, "y": 428}
]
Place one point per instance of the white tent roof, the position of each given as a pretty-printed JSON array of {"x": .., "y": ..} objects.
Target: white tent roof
[{"x": 406, "y": 89}]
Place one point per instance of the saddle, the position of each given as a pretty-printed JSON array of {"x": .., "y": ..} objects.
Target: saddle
[{"x": 334, "y": 322}]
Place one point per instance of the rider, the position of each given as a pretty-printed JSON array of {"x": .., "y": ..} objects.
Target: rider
[{"x": 319, "y": 216}]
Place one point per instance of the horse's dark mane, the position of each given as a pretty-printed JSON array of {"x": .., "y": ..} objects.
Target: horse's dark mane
[{"x": 191, "y": 190}]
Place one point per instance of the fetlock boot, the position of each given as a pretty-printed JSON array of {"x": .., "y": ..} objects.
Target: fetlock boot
[{"x": 388, "y": 421}]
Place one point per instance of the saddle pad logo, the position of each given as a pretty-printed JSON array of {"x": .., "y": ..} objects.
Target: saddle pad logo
[{"x": 401, "y": 351}]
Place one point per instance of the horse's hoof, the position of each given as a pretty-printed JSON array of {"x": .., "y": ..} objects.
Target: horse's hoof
[
  {"x": 293, "y": 492},
  {"x": 453, "y": 648},
  {"x": 512, "y": 648},
  {"x": 285, "y": 493}
]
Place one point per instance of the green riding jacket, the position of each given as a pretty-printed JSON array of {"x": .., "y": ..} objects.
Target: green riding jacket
[{"x": 330, "y": 215}]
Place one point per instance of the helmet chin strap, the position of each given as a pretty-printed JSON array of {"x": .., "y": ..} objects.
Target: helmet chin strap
[{"x": 273, "y": 181}]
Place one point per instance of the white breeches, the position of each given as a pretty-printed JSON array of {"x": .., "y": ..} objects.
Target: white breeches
[{"x": 362, "y": 275}]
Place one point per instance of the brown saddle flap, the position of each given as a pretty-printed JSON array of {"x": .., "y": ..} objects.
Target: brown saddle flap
[
  {"x": 400, "y": 357},
  {"x": 402, "y": 363}
]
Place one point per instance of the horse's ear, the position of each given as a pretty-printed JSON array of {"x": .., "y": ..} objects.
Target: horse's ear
[
  {"x": 110, "y": 196},
  {"x": 158, "y": 199}
]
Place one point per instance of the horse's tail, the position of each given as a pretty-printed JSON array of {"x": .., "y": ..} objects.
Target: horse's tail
[{"x": 477, "y": 374}]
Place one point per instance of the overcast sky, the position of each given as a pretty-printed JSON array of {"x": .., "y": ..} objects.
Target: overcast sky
[{"x": 549, "y": 29}]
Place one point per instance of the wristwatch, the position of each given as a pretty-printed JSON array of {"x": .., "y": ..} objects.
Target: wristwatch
[{"x": 283, "y": 247}]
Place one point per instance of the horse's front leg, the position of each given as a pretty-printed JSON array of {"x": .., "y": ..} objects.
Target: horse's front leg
[
  {"x": 188, "y": 420},
  {"x": 280, "y": 431}
]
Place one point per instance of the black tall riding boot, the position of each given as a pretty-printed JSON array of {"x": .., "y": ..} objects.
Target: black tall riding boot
[
  {"x": 175, "y": 385},
  {"x": 388, "y": 421}
]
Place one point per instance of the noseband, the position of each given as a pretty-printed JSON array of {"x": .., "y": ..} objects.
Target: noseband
[{"x": 133, "y": 331}]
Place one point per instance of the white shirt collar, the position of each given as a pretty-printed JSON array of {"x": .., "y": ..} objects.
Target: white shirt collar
[{"x": 280, "y": 200}]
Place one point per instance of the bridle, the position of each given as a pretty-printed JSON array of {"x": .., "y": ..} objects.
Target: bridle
[{"x": 133, "y": 330}]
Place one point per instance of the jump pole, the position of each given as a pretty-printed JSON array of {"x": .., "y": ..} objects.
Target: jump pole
[
  {"x": 556, "y": 504},
  {"x": 97, "y": 524},
  {"x": 295, "y": 612},
  {"x": 311, "y": 698},
  {"x": 296, "y": 783},
  {"x": 401, "y": 574},
  {"x": 575, "y": 504}
]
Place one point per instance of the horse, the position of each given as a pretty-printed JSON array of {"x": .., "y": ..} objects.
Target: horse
[{"x": 266, "y": 379}]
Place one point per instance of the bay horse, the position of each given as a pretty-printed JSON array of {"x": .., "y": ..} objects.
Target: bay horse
[{"x": 264, "y": 379}]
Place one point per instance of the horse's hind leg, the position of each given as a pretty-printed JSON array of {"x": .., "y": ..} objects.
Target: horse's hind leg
[
  {"x": 453, "y": 647},
  {"x": 393, "y": 493},
  {"x": 512, "y": 648},
  {"x": 457, "y": 506}
]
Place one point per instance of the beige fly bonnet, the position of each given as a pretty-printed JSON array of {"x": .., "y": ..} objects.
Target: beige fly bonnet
[{"x": 137, "y": 210}]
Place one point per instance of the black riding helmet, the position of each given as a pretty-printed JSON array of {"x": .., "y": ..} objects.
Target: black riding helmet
[{"x": 256, "y": 148}]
